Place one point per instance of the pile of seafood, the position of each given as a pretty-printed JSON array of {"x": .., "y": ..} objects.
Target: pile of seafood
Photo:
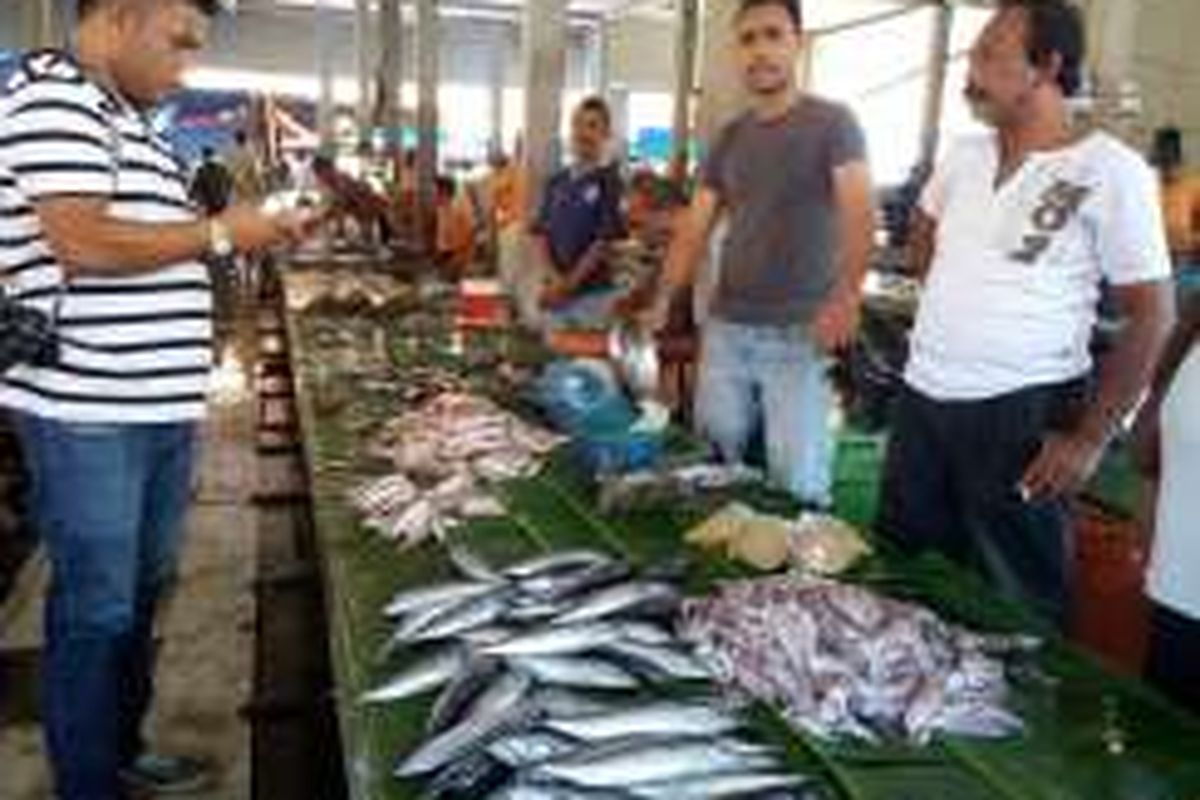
[
  {"x": 843, "y": 661},
  {"x": 542, "y": 669},
  {"x": 447, "y": 453},
  {"x": 345, "y": 292}
]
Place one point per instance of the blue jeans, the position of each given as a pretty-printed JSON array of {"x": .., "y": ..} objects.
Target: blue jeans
[
  {"x": 774, "y": 378},
  {"x": 108, "y": 502}
]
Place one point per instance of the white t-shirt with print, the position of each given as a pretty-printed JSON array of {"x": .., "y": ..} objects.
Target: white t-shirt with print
[{"x": 1010, "y": 300}]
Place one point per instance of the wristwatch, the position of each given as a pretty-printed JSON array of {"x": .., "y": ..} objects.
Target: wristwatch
[{"x": 220, "y": 243}]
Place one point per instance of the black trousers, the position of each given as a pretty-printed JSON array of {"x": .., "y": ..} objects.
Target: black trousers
[
  {"x": 1173, "y": 663},
  {"x": 951, "y": 481}
]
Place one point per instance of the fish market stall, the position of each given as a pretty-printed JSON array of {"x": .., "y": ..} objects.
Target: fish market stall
[{"x": 504, "y": 625}]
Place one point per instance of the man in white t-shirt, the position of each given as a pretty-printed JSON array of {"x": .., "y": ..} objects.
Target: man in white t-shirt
[{"x": 1016, "y": 233}]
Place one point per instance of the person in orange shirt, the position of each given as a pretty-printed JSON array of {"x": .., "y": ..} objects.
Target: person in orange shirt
[
  {"x": 1180, "y": 199},
  {"x": 455, "y": 229}
]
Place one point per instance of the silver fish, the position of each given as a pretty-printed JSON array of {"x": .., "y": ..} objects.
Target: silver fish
[
  {"x": 423, "y": 676},
  {"x": 478, "y": 674},
  {"x": 557, "y": 585},
  {"x": 644, "y": 633},
  {"x": 526, "y": 789},
  {"x": 716, "y": 787},
  {"x": 468, "y": 777},
  {"x": 622, "y": 598},
  {"x": 666, "y": 661},
  {"x": 409, "y": 600},
  {"x": 662, "y": 718},
  {"x": 557, "y": 702},
  {"x": 523, "y": 748},
  {"x": 554, "y": 562},
  {"x": 476, "y": 613},
  {"x": 579, "y": 672},
  {"x": 558, "y": 640},
  {"x": 535, "y": 611},
  {"x": 494, "y": 709},
  {"x": 627, "y": 762}
]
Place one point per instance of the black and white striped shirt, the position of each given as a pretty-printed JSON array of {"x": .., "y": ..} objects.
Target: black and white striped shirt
[{"x": 63, "y": 134}]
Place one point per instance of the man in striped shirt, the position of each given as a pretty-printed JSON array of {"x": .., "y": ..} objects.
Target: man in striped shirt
[{"x": 95, "y": 226}]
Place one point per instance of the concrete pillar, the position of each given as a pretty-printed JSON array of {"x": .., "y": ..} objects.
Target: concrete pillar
[
  {"x": 935, "y": 89},
  {"x": 618, "y": 103},
  {"x": 687, "y": 33},
  {"x": 323, "y": 21},
  {"x": 1112, "y": 38},
  {"x": 544, "y": 45},
  {"x": 721, "y": 94},
  {"x": 601, "y": 42},
  {"x": 428, "y": 41},
  {"x": 41, "y": 24},
  {"x": 499, "y": 60},
  {"x": 388, "y": 79},
  {"x": 365, "y": 58}
]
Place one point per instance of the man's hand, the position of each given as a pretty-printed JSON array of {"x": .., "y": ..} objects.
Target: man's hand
[
  {"x": 836, "y": 323},
  {"x": 1064, "y": 466},
  {"x": 251, "y": 229}
]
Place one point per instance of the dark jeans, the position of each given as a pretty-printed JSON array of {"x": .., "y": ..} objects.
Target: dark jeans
[
  {"x": 108, "y": 503},
  {"x": 951, "y": 485},
  {"x": 1173, "y": 663}
]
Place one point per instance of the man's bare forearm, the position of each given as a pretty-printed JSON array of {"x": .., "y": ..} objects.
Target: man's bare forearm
[
  {"x": 1127, "y": 371},
  {"x": 118, "y": 248}
]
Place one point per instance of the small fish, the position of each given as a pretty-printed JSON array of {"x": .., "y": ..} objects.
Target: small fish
[
  {"x": 534, "y": 611},
  {"x": 468, "y": 685},
  {"x": 561, "y": 584},
  {"x": 662, "y": 718},
  {"x": 523, "y": 748},
  {"x": 622, "y": 598},
  {"x": 719, "y": 786},
  {"x": 627, "y": 762},
  {"x": 554, "y": 701},
  {"x": 488, "y": 715},
  {"x": 661, "y": 661},
  {"x": 558, "y": 640},
  {"x": 409, "y": 600},
  {"x": 474, "y": 776},
  {"x": 644, "y": 633},
  {"x": 426, "y": 675},
  {"x": 578, "y": 672},
  {"x": 530, "y": 789},
  {"x": 477, "y": 613},
  {"x": 555, "y": 562}
]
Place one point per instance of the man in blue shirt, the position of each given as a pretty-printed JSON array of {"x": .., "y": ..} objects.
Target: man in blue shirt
[{"x": 579, "y": 215}]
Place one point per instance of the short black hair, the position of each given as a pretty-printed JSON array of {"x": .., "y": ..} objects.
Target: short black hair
[
  {"x": 207, "y": 7},
  {"x": 792, "y": 7},
  {"x": 595, "y": 104},
  {"x": 1055, "y": 27}
]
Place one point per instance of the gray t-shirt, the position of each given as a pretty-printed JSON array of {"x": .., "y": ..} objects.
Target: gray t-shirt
[{"x": 775, "y": 181}]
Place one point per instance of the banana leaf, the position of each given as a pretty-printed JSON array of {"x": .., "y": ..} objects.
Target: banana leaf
[{"x": 1090, "y": 735}]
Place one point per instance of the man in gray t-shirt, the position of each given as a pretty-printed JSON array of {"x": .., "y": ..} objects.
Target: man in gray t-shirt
[{"x": 790, "y": 176}]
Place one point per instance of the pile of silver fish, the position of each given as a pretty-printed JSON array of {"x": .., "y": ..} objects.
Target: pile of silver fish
[
  {"x": 447, "y": 453},
  {"x": 843, "y": 661},
  {"x": 542, "y": 670}
]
